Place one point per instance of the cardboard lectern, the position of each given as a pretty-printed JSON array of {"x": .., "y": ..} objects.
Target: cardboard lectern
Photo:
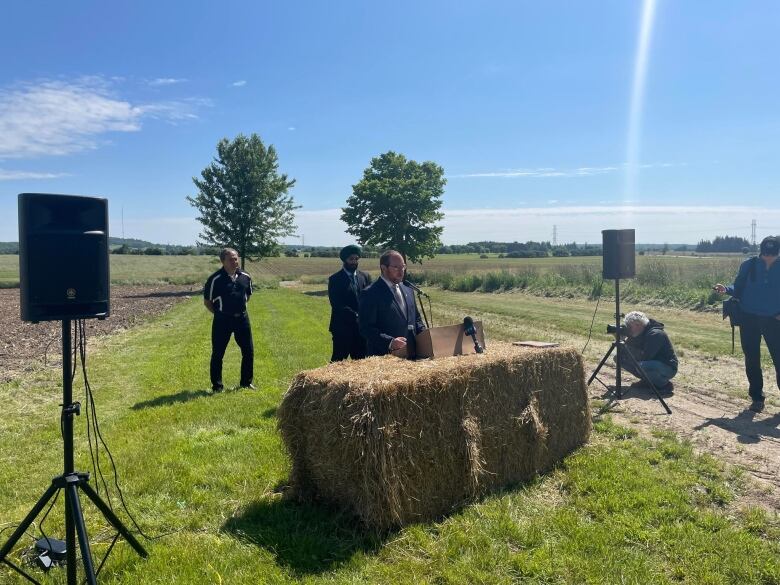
[{"x": 446, "y": 341}]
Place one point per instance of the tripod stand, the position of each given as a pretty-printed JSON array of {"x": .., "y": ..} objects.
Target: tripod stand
[
  {"x": 621, "y": 352},
  {"x": 71, "y": 482}
]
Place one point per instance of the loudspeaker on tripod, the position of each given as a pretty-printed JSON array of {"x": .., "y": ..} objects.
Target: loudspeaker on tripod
[
  {"x": 618, "y": 254},
  {"x": 63, "y": 257}
]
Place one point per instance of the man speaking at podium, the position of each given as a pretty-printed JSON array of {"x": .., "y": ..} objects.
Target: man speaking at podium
[{"x": 388, "y": 316}]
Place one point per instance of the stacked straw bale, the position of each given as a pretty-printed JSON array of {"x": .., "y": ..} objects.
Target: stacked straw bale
[{"x": 397, "y": 441}]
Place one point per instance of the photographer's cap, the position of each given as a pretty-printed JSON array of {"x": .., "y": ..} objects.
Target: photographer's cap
[{"x": 770, "y": 246}]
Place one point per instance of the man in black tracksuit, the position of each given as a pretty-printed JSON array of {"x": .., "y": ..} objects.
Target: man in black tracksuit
[{"x": 225, "y": 295}]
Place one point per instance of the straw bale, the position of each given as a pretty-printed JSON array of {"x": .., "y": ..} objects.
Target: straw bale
[{"x": 399, "y": 441}]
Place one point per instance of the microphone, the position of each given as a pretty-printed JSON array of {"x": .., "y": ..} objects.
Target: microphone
[
  {"x": 416, "y": 288},
  {"x": 469, "y": 329}
]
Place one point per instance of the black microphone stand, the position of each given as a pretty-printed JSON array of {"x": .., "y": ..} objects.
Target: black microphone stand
[
  {"x": 71, "y": 482},
  {"x": 420, "y": 294}
]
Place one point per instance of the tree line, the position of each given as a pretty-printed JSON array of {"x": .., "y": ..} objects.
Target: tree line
[{"x": 725, "y": 244}]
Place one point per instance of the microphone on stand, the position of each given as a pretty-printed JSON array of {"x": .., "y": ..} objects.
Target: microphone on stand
[
  {"x": 469, "y": 329},
  {"x": 416, "y": 288}
]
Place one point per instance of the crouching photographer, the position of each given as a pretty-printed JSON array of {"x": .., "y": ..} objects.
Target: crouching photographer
[{"x": 651, "y": 348}]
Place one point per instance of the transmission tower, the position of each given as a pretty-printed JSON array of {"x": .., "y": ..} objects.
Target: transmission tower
[
  {"x": 555, "y": 235},
  {"x": 753, "y": 234}
]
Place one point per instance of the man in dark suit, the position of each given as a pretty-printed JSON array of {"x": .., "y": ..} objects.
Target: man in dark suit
[
  {"x": 344, "y": 289},
  {"x": 388, "y": 317}
]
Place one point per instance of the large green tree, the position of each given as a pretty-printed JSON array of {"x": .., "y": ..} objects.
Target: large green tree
[
  {"x": 396, "y": 205},
  {"x": 243, "y": 200}
]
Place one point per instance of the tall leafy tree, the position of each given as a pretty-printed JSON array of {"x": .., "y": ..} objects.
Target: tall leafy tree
[
  {"x": 396, "y": 205},
  {"x": 243, "y": 199}
]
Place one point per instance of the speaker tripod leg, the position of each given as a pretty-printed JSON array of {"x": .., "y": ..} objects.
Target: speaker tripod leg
[
  {"x": 601, "y": 363},
  {"x": 113, "y": 519},
  {"x": 28, "y": 520},
  {"x": 71, "y": 492}
]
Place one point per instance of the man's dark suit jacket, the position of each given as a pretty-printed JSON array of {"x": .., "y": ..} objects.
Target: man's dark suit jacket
[
  {"x": 381, "y": 318},
  {"x": 344, "y": 301}
]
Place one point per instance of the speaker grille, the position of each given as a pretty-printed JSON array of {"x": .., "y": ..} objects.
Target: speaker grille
[
  {"x": 618, "y": 254},
  {"x": 63, "y": 257}
]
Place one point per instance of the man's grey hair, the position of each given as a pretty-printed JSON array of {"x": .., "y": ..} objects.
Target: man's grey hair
[
  {"x": 636, "y": 317},
  {"x": 224, "y": 253}
]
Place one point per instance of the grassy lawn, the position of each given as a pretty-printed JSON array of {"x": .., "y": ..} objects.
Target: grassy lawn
[{"x": 205, "y": 470}]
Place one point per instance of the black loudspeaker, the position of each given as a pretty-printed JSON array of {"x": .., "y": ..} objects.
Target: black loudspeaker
[
  {"x": 63, "y": 257},
  {"x": 618, "y": 254}
]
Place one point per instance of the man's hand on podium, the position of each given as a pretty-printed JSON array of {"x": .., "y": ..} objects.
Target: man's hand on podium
[{"x": 397, "y": 343}]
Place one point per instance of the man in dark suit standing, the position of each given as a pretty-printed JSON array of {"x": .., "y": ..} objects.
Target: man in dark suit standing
[
  {"x": 388, "y": 316},
  {"x": 344, "y": 289}
]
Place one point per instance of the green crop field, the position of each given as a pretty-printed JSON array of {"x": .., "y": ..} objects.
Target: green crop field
[
  {"x": 203, "y": 471},
  {"x": 683, "y": 281}
]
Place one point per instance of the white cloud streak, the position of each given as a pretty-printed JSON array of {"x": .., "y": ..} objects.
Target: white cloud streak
[
  {"x": 542, "y": 172},
  {"x": 239, "y": 83},
  {"x": 53, "y": 117},
  {"x": 547, "y": 172},
  {"x": 7, "y": 175},
  {"x": 166, "y": 81}
]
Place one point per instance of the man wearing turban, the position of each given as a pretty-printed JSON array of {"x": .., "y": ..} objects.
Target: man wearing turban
[{"x": 344, "y": 289}]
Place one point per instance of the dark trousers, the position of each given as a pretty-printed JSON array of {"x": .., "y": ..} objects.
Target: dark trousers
[
  {"x": 222, "y": 328},
  {"x": 751, "y": 331},
  {"x": 348, "y": 343}
]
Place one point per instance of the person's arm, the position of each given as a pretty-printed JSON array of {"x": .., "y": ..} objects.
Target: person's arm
[
  {"x": 207, "y": 301},
  {"x": 337, "y": 300},
  {"x": 418, "y": 322},
  {"x": 739, "y": 282},
  {"x": 368, "y": 323}
]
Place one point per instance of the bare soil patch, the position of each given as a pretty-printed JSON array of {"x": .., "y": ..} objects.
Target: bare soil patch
[
  {"x": 713, "y": 421},
  {"x": 26, "y": 346}
]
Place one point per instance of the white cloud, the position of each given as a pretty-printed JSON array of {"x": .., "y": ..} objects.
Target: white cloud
[
  {"x": 547, "y": 172},
  {"x": 166, "y": 81},
  {"x": 239, "y": 83},
  {"x": 54, "y": 117},
  {"x": 6, "y": 175},
  {"x": 291, "y": 128}
]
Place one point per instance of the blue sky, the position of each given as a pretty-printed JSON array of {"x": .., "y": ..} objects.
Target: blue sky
[{"x": 526, "y": 105}]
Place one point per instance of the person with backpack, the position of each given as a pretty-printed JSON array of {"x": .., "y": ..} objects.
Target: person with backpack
[{"x": 757, "y": 286}]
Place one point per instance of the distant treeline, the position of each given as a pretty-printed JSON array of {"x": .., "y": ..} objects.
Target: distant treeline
[
  {"x": 528, "y": 249},
  {"x": 724, "y": 244}
]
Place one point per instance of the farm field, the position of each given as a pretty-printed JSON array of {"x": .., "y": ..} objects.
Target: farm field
[
  {"x": 644, "y": 502},
  {"x": 682, "y": 281}
]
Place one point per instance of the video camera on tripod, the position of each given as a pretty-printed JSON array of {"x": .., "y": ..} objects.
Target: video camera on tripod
[{"x": 613, "y": 329}]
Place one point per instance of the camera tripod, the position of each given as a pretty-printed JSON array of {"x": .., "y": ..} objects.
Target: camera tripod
[
  {"x": 621, "y": 352},
  {"x": 71, "y": 482}
]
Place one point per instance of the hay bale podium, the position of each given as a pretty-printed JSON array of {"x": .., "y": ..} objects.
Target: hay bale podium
[{"x": 398, "y": 441}]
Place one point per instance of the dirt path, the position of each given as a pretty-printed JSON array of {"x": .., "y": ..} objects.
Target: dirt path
[
  {"x": 26, "y": 346},
  {"x": 714, "y": 422}
]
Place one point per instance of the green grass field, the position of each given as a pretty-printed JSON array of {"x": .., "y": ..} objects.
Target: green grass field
[{"x": 206, "y": 469}]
